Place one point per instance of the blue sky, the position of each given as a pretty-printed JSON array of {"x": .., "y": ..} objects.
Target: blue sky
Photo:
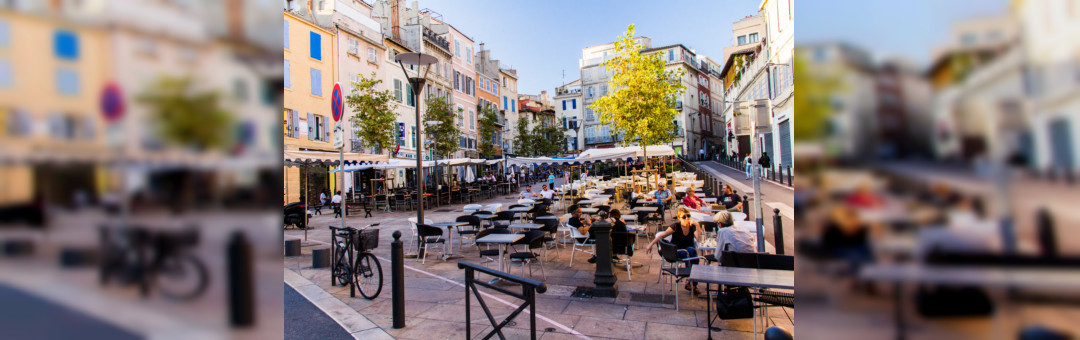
[
  {"x": 909, "y": 29},
  {"x": 542, "y": 38}
]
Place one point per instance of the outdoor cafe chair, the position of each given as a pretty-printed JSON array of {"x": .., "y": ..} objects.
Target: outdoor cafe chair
[
  {"x": 472, "y": 229},
  {"x": 769, "y": 297},
  {"x": 487, "y": 252},
  {"x": 673, "y": 271},
  {"x": 428, "y": 235},
  {"x": 580, "y": 243},
  {"x": 416, "y": 234},
  {"x": 503, "y": 216},
  {"x": 622, "y": 244},
  {"x": 534, "y": 239},
  {"x": 401, "y": 201}
]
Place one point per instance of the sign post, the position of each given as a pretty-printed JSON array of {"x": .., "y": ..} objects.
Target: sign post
[
  {"x": 337, "y": 107},
  {"x": 753, "y": 117},
  {"x": 112, "y": 108}
]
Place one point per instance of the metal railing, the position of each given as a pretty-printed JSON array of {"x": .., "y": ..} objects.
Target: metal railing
[{"x": 529, "y": 288}]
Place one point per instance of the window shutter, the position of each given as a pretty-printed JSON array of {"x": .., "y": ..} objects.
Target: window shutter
[{"x": 310, "y": 126}]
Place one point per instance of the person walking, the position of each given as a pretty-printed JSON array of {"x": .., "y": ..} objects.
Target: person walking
[
  {"x": 701, "y": 154},
  {"x": 749, "y": 163},
  {"x": 764, "y": 162}
]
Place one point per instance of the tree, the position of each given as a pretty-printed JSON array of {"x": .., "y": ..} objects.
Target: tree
[
  {"x": 641, "y": 105},
  {"x": 373, "y": 118},
  {"x": 523, "y": 143},
  {"x": 487, "y": 131},
  {"x": 548, "y": 140},
  {"x": 186, "y": 117},
  {"x": 814, "y": 103},
  {"x": 444, "y": 135}
]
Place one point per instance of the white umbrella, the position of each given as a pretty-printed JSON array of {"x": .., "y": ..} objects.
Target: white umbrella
[{"x": 469, "y": 177}]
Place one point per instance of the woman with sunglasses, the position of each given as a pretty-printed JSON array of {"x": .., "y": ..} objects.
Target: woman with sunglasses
[{"x": 683, "y": 234}]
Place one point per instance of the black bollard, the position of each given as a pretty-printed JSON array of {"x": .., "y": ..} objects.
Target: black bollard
[
  {"x": 778, "y": 231},
  {"x": 604, "y": 279},
  {"x": 746, "y": 206},
  {"x": 397, "y": 273},
  {"x": 1047, "y": 235},
  {"x": 241, "y": 282},
  {"x": 790, "y": 177}
]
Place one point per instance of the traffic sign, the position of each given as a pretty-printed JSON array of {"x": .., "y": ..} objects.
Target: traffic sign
[
  {"x": 112, "y": 102},
  {"x": 335, "y": 102},
  {"x": 339, "y": 136}
]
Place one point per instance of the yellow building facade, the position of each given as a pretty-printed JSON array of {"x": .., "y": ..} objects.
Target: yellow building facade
[
  {"x": 310, "y": 74},
  {"x": 51, "y": 79}
]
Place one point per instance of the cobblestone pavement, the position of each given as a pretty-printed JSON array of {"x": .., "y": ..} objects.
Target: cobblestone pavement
[{"x": 435, "y": 293}]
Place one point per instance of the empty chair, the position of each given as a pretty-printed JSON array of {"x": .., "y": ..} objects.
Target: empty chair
[
  {"x": 471, "y": 229},
  {"x": 488, "y": 253},
  {"x": 401, "y": 201},
  {"x": 429, "y": 234},
  {"x": 770, "y": 297},
  {"x": 503, "y": 219},
  {"x": 534, "y": 239}
]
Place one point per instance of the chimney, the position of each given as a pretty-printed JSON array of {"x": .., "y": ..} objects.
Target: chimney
[
  {"x": 234, "y": 10},
  {"x": 395, "y": 19}
]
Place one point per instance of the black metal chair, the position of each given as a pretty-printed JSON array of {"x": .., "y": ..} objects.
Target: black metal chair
[
  {"x": 472, "y": 229},
  {"x": 534, "y": 239},
  {"x": 672, "y": 270},
  {"x": 622, "y": 244},
  {"x": 401, "y": 201},
  {"x": 429, "y": 234},
  {"x": 488, "y": 252},
  {"x": 769, "y": 297},
  {"x": 503, "y": 216}
]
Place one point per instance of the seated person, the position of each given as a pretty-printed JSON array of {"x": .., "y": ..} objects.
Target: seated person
[
  {"x": 663, "y": 198},
  {"x": 730, "y": 200},
  {"x": 618, "y": 227},
  {"x": 847, "y": 236},
  {"x": 684, "y": 233},
  {"x": 527, "y": 193},
  {"x": 691, "y": 201},
  {"x": 582, "y": 225},
  {"x": 732, "y": 239},
  {"x": 547, "y": 194}
]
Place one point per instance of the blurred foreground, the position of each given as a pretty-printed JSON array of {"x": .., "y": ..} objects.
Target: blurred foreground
[
  {"x": 941, "y": 200},
  {"x": 138, "y": 169}
]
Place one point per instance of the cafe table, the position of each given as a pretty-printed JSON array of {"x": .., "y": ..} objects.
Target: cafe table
[
  {"x": 734, "y": 276},
  {"x": 501, "y": 240},
  {"x": 450, "y": 232},
  {"x": 525, "y": 226}
]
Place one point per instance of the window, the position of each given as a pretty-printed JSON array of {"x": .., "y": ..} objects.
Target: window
[
  {"x": 742, "y": 40},
  {"x": 409, "y": 94},
  {"x": 316, "y": 45},
  {"x": 573, "y": 102},
  {"x": 67, "y": 81},
  {"x": 371, "y": 55},
  {"x": 589, "y": 92},
  {"x": 671, "y": 55},
  {"x": 316, "y": 82},
  {"x": 457, "y": 48},
  {"x": 286, "y": 34},
  {"x": 240, "y": 89},
  {"x": 505, "y": 102},
  {"x": 752, "y": 38},
  {"x": 457, "y": 80},
  {"x": 460, "y": 117},
  {"x": 354, "y": 46},
  {"x": 967, "y": 39},
  {"x": 397, "y": 90},
  {"x": 472, "y": 119},
  {"x": 288, "y": 79},
  {"x": 66, "y": 45},
  {"x": 513, "y": 105},
  {"x": 6, "y": 78},
  {"x": 412, "y": 136},
  {"x": 564, "y": 106},
  {"x": 603, "y": 89},
  {"x": 468, "y": 55}
]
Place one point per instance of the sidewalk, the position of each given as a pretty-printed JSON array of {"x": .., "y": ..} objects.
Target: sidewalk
[{"x": 435, "y": 293}]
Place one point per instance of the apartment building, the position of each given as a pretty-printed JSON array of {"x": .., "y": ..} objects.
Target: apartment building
[{"x": 568, "y": 108}]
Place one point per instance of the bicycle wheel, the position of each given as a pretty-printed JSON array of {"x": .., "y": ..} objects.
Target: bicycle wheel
[
  {"x": 181, "y": 277},
  {"x": 342, "y": 272},
  {"x": 368, "y": 275}
]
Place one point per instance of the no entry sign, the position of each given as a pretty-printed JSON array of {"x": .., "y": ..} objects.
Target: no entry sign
[
  {"x": 112, "y": 102},
  {"x": 335, "y": 102}
]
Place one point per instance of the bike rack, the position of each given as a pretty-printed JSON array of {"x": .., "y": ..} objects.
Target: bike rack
[{"x": 529, "y": 288}]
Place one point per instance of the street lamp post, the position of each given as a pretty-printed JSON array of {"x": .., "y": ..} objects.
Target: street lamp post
[{"x": 422, "y": 63}]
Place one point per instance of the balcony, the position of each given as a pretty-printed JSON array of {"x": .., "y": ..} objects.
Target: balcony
[
  {"x": 599, "y": 139},
  {"x": 746, "y": 77},
  {"x": 570, "y": 91},
  {"x": 436, "y": 39}
]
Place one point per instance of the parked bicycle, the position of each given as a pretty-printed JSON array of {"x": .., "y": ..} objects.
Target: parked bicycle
[
  {"x": 159, "y": 258},
  {"x": 353, "y": 264}
]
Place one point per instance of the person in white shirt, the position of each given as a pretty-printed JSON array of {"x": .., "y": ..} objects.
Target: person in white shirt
[
  {"x": 547, "y": 194},
  {"x": 749, "y": 167},
  {"x": 337, "y": 198},
  {"x": 527, "y": 193}
]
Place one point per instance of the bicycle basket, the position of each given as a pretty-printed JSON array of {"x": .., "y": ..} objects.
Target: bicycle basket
[{"x": 367, "y": 239}]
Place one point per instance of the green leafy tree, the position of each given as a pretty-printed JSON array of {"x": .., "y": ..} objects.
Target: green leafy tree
[
  {"x": 186, "y": 117},
  {"x": 523, "y": 141},
  {"x": 548, "y": 140},
  {"x": 814, "y": 102},
  {"x": 373, "y": 118},
  {"x": 641, "y": 105},
  {"x": 443, "y": 135},
  {"x": 487, "y": 132}
]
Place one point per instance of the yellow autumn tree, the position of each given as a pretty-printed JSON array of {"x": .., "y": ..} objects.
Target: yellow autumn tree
[{"x": 641, "y": 106}]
